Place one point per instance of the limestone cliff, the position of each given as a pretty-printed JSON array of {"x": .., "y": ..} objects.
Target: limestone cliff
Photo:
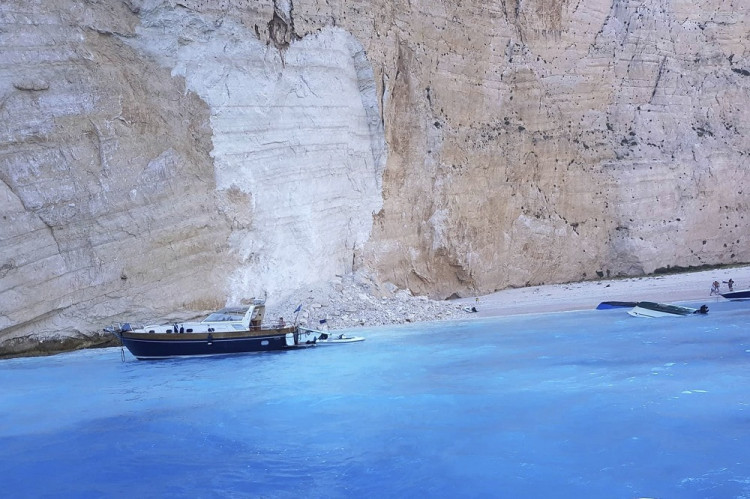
[{"x": 160, "y": 156}]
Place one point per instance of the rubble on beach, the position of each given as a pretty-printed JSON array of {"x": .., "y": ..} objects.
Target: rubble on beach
[{"x": 355, "y": 300}]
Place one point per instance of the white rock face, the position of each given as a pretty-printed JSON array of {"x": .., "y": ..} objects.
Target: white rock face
[
  {"x": 297, "y": 138},
  {"x": 161, "y": 158}
]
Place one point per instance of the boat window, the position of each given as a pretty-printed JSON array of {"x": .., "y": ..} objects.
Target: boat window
[{"x": 222, "y": 316}]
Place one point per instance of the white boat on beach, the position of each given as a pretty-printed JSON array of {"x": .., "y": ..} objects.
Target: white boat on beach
[{"x": 651, "y": 309}]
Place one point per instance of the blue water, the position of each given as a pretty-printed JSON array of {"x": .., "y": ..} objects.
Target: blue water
[{"x": 585, "y": 404}]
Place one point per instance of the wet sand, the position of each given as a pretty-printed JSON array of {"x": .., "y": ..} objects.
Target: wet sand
[{"x": 694, "y": 287}]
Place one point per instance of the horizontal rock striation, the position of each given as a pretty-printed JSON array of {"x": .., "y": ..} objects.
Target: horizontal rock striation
[
  {"x": 107, "y": 190},
  {"x": 161, "y": 158}
]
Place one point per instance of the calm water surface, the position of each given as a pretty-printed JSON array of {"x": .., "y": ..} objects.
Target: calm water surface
[{"x": 584, "y": 404}]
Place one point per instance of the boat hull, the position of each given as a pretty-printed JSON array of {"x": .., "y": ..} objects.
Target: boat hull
[
  {"x": 645, "y": 312},
  {"x": 650, "y": 309},
  {"x": 737, "y": 295},
  {"x": 605, "y": 305},
  {"x": 145, "y": 346},
  {"x": 336, "y": 341},
  {"x": 320, "y": 338}
]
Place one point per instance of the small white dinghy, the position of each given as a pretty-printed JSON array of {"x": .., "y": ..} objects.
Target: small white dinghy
[
  {"x": 333, "y": 339},
  {"x": 317, "y": 337}
]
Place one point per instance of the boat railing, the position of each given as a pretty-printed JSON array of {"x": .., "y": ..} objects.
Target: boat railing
[{"x": 122, "y": 327}]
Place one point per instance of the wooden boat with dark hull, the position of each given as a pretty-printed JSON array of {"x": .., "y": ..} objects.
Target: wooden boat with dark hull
[
  {"x": 231, "y": 330},
  {"x": 167, "y": 345}
]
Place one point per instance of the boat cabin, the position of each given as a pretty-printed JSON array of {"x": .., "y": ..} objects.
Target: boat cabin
[
  {"x": 249, "y": 316},
  {"x": 229, "y": 319}
]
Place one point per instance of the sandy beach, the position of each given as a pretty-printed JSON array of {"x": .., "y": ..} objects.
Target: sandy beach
[{"x": 668, "y": 288}]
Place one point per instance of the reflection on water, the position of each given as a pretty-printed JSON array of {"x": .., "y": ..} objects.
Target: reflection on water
[{"x": 589, "y": 404}]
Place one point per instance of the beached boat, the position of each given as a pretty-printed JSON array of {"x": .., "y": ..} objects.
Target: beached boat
[
  {"x": 651, "y": 309},
  {"x": 230, "y": 330},
  {"x": 605, "y": 305},
  {"x": 743, "y": 294},
  {"x": 320, "y": 338}
]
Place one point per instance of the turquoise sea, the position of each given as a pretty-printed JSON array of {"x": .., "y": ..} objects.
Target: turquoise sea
[{"x": 593, "y": 404}]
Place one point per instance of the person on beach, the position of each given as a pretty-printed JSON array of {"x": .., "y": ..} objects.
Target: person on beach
[{"x": 714, "y": 288}]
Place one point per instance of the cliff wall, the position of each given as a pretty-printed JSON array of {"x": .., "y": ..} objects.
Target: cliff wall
[{"x": 168, "y": 157}]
